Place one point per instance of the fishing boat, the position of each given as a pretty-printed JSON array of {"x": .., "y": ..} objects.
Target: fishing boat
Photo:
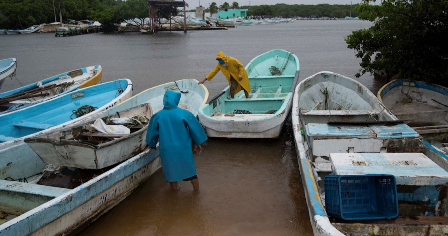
[
  {"x": 7, "y": 69},
  {"x": 49, "y": 206},
  {"x": 420, "y": 103},
  {"x": 49, "y": 88},
  {"x": 364, "y": 172},
  {"x": 66, "y": 110},
  {"x": 273, "y": 76},
  {"x": 84, "y": 147}
]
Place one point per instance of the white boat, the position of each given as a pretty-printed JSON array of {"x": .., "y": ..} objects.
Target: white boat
[
  {"x": 49, "y": 88},
  {"x": 342, "y": 131},
  {"x": 82, "y": 147},
  {"x": 7, "y": 69},
  {"x": 273, "y": 76},
  {"x": 48, "y": 210},
  {"x": 420, "y": 103},
  {"x": 66, "y": 110}
]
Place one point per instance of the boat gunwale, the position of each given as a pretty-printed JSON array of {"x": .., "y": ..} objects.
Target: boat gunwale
[{"x": 399, "y": 82}]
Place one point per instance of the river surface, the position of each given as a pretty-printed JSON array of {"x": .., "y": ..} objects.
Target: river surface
[{"x": 248, "y": 186}]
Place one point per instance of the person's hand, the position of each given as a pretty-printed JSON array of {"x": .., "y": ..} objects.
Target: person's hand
[
  {"x": 202, "y": 81},
  {"x": 198, "y": 149},
  {"x": 240, "y": 78}
]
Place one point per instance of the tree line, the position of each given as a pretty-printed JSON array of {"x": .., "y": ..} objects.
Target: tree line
[{"x": 20, "y": 14}]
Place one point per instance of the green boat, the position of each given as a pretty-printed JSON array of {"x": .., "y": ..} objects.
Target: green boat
[{"x": 273, "y": 76}]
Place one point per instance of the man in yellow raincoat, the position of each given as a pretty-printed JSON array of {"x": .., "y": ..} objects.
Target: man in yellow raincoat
[{"x": 235, "y": 73}]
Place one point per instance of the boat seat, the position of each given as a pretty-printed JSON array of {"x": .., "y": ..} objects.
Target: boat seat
[
  {"x": 32, "y": 125},
  {"x": 4, "y": 138},
  {"x": 340, "y": 112}
]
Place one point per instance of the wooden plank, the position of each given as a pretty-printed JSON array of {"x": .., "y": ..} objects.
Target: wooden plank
[{"x": 101, "y": 135}]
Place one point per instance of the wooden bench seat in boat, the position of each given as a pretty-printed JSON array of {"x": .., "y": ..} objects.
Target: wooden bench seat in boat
[
  {"x": 18, "y": 197},
  {"x": 32, "y": 125},
  {"x": 340, "y": 112}
]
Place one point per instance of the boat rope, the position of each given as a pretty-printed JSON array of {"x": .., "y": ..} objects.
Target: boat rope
[
  {"x": 286, "y": 62},
  {"x": 82, "y": 111},
  {"x": 120, "y": 90},
  {"x": 63, "y": 87},
  {"x": 275, "y": 71}
]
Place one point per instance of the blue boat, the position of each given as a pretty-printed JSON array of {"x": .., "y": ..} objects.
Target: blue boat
[
  {"x": 58, "y": 113},
  {"x": 342, "y": 131},
  {"x": 7, "y": 69},
  {"x": 273, "y": 76},
  {"x": 49, "y": 88},
  {"x": 37, "y": 207}
]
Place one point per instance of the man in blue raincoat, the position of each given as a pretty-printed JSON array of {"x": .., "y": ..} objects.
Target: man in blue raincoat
[{"x": 175, "y": 129}]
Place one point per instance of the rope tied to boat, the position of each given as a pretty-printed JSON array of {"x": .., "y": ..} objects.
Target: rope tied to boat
[{"x": 82, "y": 111}]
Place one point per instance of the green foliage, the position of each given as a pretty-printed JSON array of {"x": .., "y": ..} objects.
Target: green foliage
[
  {"x": 408, "y": 38},
  {"x": 225, "y": 5},
  {"x": 213, "y": 8},
  {"x": 320, "y": 10},
  {"x": 235, "y": 5}
]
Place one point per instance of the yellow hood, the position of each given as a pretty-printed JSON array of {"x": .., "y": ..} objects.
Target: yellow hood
[{"x": 220, "y": 55}]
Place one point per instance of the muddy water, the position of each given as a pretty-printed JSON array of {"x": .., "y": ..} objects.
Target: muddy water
[{"x": 248, "y": 187}]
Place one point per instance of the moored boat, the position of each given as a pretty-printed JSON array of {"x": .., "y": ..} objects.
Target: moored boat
[
  {"x": 420, "y": 103},
  {"x": 67, "y": 208},
  {"x": 273, "y": 76},
  {"x": 69, "y": 109},
  {"x": 343, "y": 132},
  {"x": 50, "y": 88},
  {"x": 7, "y": 68},
  {"x": 82, "y": 147}
]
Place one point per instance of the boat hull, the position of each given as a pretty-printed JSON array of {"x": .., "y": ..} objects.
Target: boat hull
[
  {"x": 76, "y": 208},
  {"x": 302, "y": 113},
  {"x": 8, "y": 68},
  {"x": 17, "y": 125},
  {"x": 419, "y": 103},
  {"x": 263, "y": 114}
]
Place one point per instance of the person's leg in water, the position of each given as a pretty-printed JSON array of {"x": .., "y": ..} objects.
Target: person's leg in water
[
  {"x": 195, "y": 183},
  {"x": 174, "y": 186}
]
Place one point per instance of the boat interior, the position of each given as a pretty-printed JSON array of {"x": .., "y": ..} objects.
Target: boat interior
[
  {"x": 266, "y": 98},
  {"x": 346, "y": 133}
]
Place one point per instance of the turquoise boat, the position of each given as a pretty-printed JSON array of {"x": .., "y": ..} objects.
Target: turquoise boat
[
  {"x": 7, "y": 69},
  {"x": 273, "y": 76},
  {"x": 58, "y": 113},
  {"x": 33, "y": 204},
  {"x": 49, "y": 88},
  {"x": 364, "y": 172}
]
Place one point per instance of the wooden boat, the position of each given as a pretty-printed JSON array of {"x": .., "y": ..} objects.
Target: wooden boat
[
  {"x": 419, "y": 103},
  {"x": 7, "y": 69},
  {"x": 50, "y": 88},
  {"x": 49, "y": 210},
  {"x": 343, "y": 131},
  {"x": 60, "y": 112},
  {"x": 273, "y": 76},
  {"x": 83, "y": 148}
]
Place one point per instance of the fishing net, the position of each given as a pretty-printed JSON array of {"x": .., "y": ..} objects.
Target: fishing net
[
  {"x": 275, "y": 71},
  {"x": 82, "y": 111}
]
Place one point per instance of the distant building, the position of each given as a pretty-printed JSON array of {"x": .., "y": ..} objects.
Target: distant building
[
  {"x": 200, "y": 13},
  {"x": 232, "y": 13}
]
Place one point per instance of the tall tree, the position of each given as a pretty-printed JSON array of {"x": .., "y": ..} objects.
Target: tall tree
[
  {"x": 408, "y": 38},
  {"x": 213, "y": 8},
  {"x": 235, "y": 5},
  {"x": 225, "y": 5}
]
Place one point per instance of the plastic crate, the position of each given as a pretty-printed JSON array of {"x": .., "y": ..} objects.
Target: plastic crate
[{"x": 361, "y": 197}]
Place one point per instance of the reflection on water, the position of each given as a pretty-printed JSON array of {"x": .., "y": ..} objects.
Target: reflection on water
[{"x": 248, "y": 186}]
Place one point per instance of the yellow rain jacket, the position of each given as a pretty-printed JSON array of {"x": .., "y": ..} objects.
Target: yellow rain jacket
[{"x": 235, "y": 68}]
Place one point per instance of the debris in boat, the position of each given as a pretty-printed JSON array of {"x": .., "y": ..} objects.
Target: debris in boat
[
  {"x": 82, "y": 111},
  {"x": 229, "y": 115},
  {"x": 271, "y": 112},
  {"x": 217, "y": 113},
  {"x": 241, "y": 112},
  {"x": 275, "y": 71},
  {"x": 66, "y": 177}
]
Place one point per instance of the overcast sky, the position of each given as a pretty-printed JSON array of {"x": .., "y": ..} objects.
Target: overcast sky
[{"x": 205, "y": 3}]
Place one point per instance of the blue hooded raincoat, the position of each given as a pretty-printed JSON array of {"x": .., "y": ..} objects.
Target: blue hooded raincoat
[{"x": 175, "y": 128}]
